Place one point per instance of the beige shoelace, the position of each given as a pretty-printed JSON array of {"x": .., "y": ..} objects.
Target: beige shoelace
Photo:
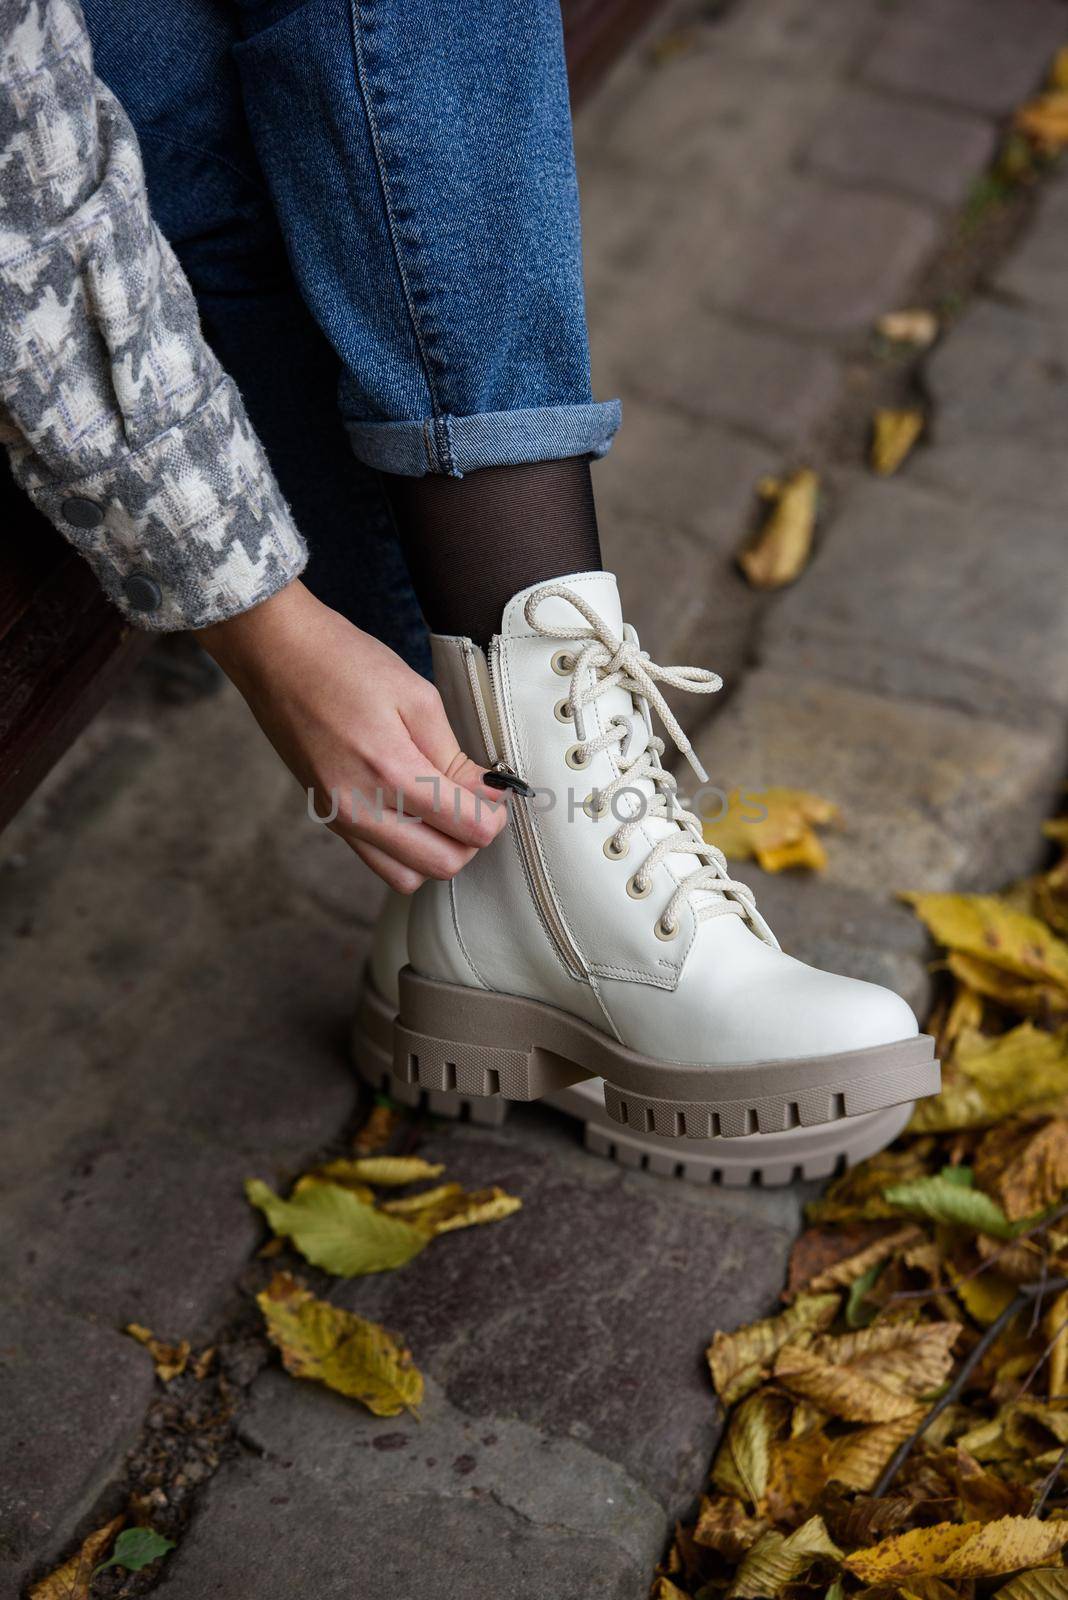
[{"x": 605, "y": 662}]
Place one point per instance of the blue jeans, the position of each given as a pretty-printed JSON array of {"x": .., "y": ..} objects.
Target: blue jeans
[{"x": 375, "y": 203}]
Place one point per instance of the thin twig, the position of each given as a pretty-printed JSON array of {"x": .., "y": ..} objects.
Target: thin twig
[
  {"x": 1045, "y": 1488},
  {"x": 1047, "y": 1352},
  {"x": 1026, "y": 1294}
]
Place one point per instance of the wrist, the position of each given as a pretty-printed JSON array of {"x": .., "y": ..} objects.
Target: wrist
[{"x": 241, "y": 643}]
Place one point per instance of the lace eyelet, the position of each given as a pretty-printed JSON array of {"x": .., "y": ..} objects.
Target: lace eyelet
[
  {"x": 614, "y": 850},
  {"x": 563, "y": 664},
  {"x": 666, "y": 930},
  {"x": 576, "y": 758},
  {"x": 595, "y": 813},
  {"x": 562, "y": 711},
  {"x": 639, "y": 891}
]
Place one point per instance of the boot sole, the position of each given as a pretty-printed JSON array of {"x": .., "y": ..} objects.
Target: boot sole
[
  {"x": 447, "y": 1038},
  {"x": 767, "y": 1160}
]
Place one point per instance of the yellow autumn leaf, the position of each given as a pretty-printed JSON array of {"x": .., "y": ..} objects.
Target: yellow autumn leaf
[
  {"x": 387, "y": 1172},
  {"x": 989, "y": 1079},
  {"x": 740, "y": 1361},
  {"x": 335, "y": 1230},
  {"x": 774, "y": 827},
  {"x": 915, "y": 327},
  {"x": 345, "y": 1352},
  {"x": 1022, "y": 995},
  {"x": 744, "y": 1457},
  {"x": 984, "y": 1295},
  {"x": 450, "y": 1206},
  {"x": 724, "y": 1525},
  {"x": 1055, "y": 1329},
  {"x": 1045, "y": 119},
  {"x": 960, "y": 1550},
  {"x": 775, "y": 1561},
  {"x": 796, "y": 1475},
  {"x": 71, "y": 1580},
  {"x": 985, "y": 926},
  {"x": 856, "y": 1459},
  {"x": 170, "y": 1359},
  {"x": 782, "y": 548},
  {"x": 894, "y": 433}
]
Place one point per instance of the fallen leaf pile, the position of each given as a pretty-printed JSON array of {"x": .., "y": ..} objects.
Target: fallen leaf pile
[
  {"x": 133, "y": 1550},
  {"x": 900, "y": 1429}
]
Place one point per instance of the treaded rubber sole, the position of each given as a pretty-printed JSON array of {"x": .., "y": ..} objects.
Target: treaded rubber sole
[
  {"x": 766, "y": 1160},
  {"x": 449, "y": 1038}
]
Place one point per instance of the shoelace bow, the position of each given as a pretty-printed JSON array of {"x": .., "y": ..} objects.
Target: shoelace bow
[{"x": 618, "y": 663}]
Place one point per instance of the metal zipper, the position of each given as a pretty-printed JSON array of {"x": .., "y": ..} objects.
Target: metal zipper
[{"x": 529, "y": 848}]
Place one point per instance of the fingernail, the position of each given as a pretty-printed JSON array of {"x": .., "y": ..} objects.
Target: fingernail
[{"x": 508, "y": 780}]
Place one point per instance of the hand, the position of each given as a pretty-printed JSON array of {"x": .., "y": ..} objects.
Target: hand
[{"x": 346, "y": 714}]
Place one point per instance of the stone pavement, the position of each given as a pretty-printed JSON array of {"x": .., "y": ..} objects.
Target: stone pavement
[{"x": 756, "y": 190}]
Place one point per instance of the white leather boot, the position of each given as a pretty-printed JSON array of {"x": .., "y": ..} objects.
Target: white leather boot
[
  {"x": 767, "y": 1159},
  {"x": 599, "y": 936}
]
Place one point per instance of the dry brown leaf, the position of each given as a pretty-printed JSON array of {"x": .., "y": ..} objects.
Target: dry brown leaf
[
  {"x": 740, "y": 1361},
  {"x": 339, "y": 1349},
  {"x": 724, "y": 1525},
  {"x": 894, "y": 434},
  {"x": 857, "y": 1196},
  {"x": 387, "y": 1172},
  {"x": 773, "y": 1562},
  {"x": 985, "y": 1497},
  {"x": 1025, "y": 1169},
  {"x": 1044, "y": 1583},
  {"x": 1055, "y": 1329},
  {"x": 961, "y": 1550},
  {"x": 378, "y": 1130},
  {"x": 773, "y": 827},
  {"x": 855, "y": 1266},
  {"x": 71, "y": 1580},
  {"x": 873, "y": 1375},
  {"x": 170, "y": 1359},
  {"x": 781, "y": 550},
  {"x": 203, "y": 1363},
  {"x": 664, "y": 1589}
]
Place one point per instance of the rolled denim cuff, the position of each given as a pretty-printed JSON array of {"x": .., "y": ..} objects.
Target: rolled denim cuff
[{"x": 455, "y": 445}]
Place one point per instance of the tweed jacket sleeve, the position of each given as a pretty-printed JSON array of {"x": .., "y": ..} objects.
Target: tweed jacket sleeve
[{"x": 119, "y": 422}]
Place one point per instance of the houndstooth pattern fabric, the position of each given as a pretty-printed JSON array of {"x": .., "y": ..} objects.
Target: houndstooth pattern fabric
[{"x": 119, "y": 421}]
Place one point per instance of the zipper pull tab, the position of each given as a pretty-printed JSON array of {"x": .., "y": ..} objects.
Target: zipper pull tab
[{"x": 502, "y": 777}]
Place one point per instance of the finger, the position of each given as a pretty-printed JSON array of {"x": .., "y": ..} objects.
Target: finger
[
  {"x": 462, "y": 805},
  {"x": 393, "y": 872},
  {"x": 411, "y": 842}
]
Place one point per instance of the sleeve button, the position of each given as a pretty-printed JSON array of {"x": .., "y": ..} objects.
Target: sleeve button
[
  {"x": 142, "y": 593},
  {"x": 82, "y": 513}
]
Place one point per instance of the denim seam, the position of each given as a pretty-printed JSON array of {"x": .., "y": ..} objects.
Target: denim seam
[{"x": 441, "y": 440}]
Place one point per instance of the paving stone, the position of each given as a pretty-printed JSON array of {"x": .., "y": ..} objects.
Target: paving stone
[
  {"x": 1034, "y": 272},
  {"x": 931, "y": 798},
  {"x": 841, "y": 929},
  {"x": 72, "y": 1396},
  {"x": 919, "y": 595},
  {"x": 271, "y": 1530},
  {"x": 834, "y": 258},
  {"x": 1000, "y": 385},
  {"x": 794, "y": 34},
  {"x": 677, "y": 353},
  {"x": 133, "y": 1223},
  {"x": 445, "y": 1454},
  {"x": 978, "y": 53},
  {"x": 889, "y": 143},
  {"x": 586, "y": 1314}
]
